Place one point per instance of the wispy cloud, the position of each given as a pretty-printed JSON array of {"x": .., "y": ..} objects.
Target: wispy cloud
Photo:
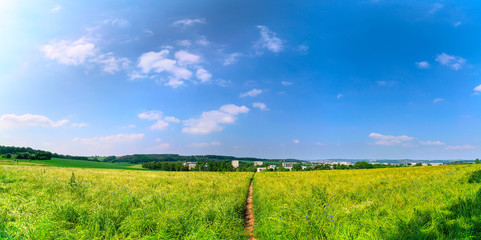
[
  {"x": 150, "y": 115},
  {"x": 453, "y": 62},
  {"x": 339, "y": 96},
  {"x": 296, "y": 141},
  {"x": 56, "y": 8},
  {"x": 231, "y": 58},
  {"x": 458, "y": 147},
  {"x": 422, "y": 65},
  {"x": 202, "y": 145},
  {"x": 188, "y": 22},
  {"x": 252, "y": 93},
  {"x": 9, "y": 121},
  {"x": 432, "y": 143},
  {"x": 69, "y": 52},
  {"x": 212, "y": 121},
  {"x": 268, "y": 41},
  {"x": 79, "y": 124},
  {"x": 389, "y": 140},
  {"x": 111, "y": 64},
  {"x": 159, "y": 125},
  {"x": 261, "y": 106},
  {"x": 286, "y": 83},
  {"x": 438, "y": 100},
  {"x": 172, "y": 119},
  {"x": 478, "y": 88}
]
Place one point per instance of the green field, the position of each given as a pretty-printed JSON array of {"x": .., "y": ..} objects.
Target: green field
[
  {"x": 60, "y": 162},
  {"x": 396, "y": 203},
  {"x": 49, "y": 200},
  {"x": 39, "y": 202}
]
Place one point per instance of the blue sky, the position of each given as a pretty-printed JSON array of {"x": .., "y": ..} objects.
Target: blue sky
[{"x": 274, "y": 79}]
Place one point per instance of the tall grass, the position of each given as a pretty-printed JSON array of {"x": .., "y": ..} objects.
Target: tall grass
[
  {"x": 74, "y": 203},
  {"x": 401, "y": 203}
]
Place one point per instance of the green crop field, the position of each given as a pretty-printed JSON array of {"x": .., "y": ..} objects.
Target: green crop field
[
  {"x": 38, "y": 202},
  {"x": 60, "y": 162},
  {"x": 398, "y": 203}
]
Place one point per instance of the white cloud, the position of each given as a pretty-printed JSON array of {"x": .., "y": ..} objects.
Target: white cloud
[
  {"x": 478, "y": 88},
  {"x": 130, "y": 126},
  {"x": 111, "y": 64},
  {"x": 184, "y": 43},
  {"x": 188, "y": 22},
  {"x": 203, "y": 75},
  {"x": 162, "y": 146},
  {"x": 150, "y": 115},
  {"x": 212, "y": 121},
  {"x": 159, "y": 125},
  {"x": 457, "y": 24},
  {"x": 175, "y": 71},
  {"x": 79, "y": 124},
  {"x": 117, "y": 22},
  {"x": 201, "y": 145},
  {"x": 339, "y": 96},
  {"x": 435, "y": 8},
  {"x": 56, "y": 8},
  {"x": 296, "y": 141},
  {"x": 320, "y": 144},
  {"x": 8, "y": 121},
  {"x": 185, "y": 58},
  {"x": 69, "y": 52},
  {"x": 286, "y": 83},
  {"x": 202, "y": 41},
  {"x": 453, "y": 62},
  {"x": 268, "y": 41},
  {"x": 422, "y": 65},
  {"x": 252, "y": 93},
  {"x": 388, "y": 140},
  {"x": 261, "y": 106},
  {"x": 463, "y": 147},
  {"x": 119, "y": 138},
  {"x": 172, "y": 119},
  {"x": 148, "y": 32},
  {"x": 432, "y": 143},
  {"x": 438, "y": 100},
  {"x": 231, "y": 58},
  {"x": 303, "y": 49}
]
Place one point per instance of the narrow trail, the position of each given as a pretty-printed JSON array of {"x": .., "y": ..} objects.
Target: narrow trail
[{"x": 249, "y": 216}]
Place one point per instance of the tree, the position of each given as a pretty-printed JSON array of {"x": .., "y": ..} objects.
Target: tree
[
  {"x": 418, "y": 164},
  {"x": 477, "y": 161},
  {"x": 8, "y": 155},
  {"x": 363, "y": 165},
  {"x": 296, "y": 167}
]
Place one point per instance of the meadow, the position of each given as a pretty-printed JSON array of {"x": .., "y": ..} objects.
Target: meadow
[
  {"x": 46, "y": 202},
  {"x": 398, "y": 203}
]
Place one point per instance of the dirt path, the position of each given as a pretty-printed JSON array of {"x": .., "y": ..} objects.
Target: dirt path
[{"x": 249, "y": 216}]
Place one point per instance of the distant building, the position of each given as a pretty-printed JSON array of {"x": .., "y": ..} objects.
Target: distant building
[
  {"x": 425, "y": 164},
  {"x": 436, "y": 164},
  {"x": 287, "y": 165},
  {"x": 259, "y": 169},
  {"x": 258, "y": 163},
  {"x": 190, "y": 164},
  {"x": 235, "y": 163},
  {"x": 303, "y": 167},
  {"x": 272, "y": 167},
  {"x": 341, "y": 163}
]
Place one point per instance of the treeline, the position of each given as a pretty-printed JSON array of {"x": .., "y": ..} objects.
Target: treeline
[
  {"x": 24, "y": 153},
  {"x": 144, "y": 158},
  {"x": 204, "y": 166}
]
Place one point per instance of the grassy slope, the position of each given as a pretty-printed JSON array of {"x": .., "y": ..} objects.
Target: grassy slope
[
  {"x": 39, "y": 202},
  {"x": 399, "y": 203},
  {"x": 60, "y": 162}
]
